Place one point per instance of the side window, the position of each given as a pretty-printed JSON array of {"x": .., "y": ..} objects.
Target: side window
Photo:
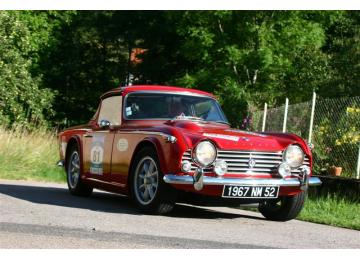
[{"x": 111, "y": 110}]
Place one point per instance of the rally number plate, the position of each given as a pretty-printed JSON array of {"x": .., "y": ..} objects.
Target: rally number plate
[{"x": 233, "y": 191}]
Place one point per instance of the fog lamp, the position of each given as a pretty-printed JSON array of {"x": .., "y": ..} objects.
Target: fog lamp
[
  {"x": 284, "y": 169},
  {"x": 186, "y": 166},
  {"x": 220, "y": 167}
]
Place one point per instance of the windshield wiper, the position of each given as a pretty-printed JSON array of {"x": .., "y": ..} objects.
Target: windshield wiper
[
  {"x": 183, "y": 117},
  {"x": 222, "y": 122}
]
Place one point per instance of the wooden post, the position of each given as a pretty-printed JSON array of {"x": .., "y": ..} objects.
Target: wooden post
[
  {"x": 264, "y": 118},
  {"x": 285, "y": 114},
  {"x": 358, "y": 165},
  {"x": 312, "y": 117}
]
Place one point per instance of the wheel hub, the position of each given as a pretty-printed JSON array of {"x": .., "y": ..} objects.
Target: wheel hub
[{"x": 146, "y": 180}]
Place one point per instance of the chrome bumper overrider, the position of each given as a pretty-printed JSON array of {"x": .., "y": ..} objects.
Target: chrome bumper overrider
[
  {"x": 187, "y": 179},
  {"x": 60, "y": 163}
]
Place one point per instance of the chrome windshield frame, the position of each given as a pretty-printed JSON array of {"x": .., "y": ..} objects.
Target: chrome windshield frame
[{"x": 179, "y": 93}]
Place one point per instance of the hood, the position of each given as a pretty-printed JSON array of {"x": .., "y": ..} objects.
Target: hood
[{"x": 227, "y": 138}]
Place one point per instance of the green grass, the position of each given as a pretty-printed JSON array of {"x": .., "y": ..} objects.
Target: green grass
[
  {"x": 33, "y": 156},
  {"x": 29, "y": 156},
  {"x": 332, "y": 210}
]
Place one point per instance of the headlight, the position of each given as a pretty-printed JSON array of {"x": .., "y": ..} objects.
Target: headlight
[
  {"x": 293, "y": 156},
  {"x": 204, "y": 153}
]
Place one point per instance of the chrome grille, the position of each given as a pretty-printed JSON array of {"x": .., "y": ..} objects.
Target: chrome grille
[{"x": 238, "y": 161}]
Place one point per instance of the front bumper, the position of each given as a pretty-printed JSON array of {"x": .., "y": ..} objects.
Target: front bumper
[{"x": 291, "y": 182}]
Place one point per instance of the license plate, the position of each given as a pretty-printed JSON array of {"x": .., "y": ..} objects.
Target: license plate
[{"x": 233, "y": 191}]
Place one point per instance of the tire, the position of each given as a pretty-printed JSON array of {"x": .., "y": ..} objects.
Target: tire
[
  {"x": 284, "y": 208},
  {"x": 147, "y": 188},
  {"x": 73, "y": 174}
]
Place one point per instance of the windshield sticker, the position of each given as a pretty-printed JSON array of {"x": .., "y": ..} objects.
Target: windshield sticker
[
  {"x": 128, "y": 111},
  {"x": 97, "y": 155},
  {"x": 122, "y": 145},
  {"x": 227, "y": 137},
  {"x": 245, "y": 132}
]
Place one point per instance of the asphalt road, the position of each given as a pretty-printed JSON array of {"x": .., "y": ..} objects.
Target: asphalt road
[{"x": 45, "y": 215}]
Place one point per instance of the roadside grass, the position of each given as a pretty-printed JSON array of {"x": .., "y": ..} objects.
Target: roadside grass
[
  {"x": 33, "y": 156},
  {"x": 29, "y": 156},
  {"x": 329, "y": 209},
  {"x": 332, "y": 209}
]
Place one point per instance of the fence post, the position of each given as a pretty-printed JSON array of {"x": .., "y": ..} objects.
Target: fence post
[
  {"x": 312, "y": 117},
  {"x": 358, "y": 165},
  {"x": 285, "y": 114},
  {"x": 264, "y": 118}
]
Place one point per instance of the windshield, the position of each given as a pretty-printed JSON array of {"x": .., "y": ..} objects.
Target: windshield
[{"x": 172, "y": 106}]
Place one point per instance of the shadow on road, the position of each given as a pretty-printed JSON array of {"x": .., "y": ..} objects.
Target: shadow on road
[{"x": 104, "y": 202}]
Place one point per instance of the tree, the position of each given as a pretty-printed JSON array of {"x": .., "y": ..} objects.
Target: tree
[
  {"x": 22, "y": 101},
  {"x": 246, "y": 57},
  {"x": 89, "y": 58}
]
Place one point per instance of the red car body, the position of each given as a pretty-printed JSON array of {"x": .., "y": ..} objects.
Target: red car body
[{"x": 116, "y": 146}]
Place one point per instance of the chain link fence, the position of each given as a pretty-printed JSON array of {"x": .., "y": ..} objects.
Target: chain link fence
[{"x": 335, "y": 131}]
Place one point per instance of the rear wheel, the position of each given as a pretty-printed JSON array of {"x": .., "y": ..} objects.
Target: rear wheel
[
  {"x": 284, "y": 208},
  {"x": 73, "y": 171},
  {"x": 148, "y": 190}
]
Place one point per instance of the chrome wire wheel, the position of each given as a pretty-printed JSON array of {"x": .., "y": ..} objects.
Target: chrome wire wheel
[
  {"x": 146, "y": 180},
  {"x": 74, "y": 169}
]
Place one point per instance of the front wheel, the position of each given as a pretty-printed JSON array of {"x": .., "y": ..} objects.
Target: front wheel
[
  {"x": 284, "y": 208},
  {"x": 148, "y": 190}
]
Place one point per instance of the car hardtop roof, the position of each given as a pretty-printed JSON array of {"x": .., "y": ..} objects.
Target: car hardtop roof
[{"x": 136, "y": 88}]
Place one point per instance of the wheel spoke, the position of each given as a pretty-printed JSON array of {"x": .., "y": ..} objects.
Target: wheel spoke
[
  {"x": 146, "y": 195},
  {"x": 155, "y": 173},
  {"x": 151, "y": 192},
  {"x": 151, "y": 168},
  {"x": 154, "y": 185},
  {"x": 76, "y": 178},
  {"x": 145, "y": 168},
  {"x": 142, "y": 186},
  {"x": 75, "y": 164}
]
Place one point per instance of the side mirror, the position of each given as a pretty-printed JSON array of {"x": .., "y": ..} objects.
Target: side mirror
[{"x": 104, "y": 123}]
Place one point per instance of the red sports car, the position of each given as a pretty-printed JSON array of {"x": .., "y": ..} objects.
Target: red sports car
[{"x": 161, "y": 145}]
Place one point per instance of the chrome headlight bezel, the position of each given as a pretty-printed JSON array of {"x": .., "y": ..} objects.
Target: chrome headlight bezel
[
  {"x": 196, "y": 153},
  {"x": 298, "y": 154}
]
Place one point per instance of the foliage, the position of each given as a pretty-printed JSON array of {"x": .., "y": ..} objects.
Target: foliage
[
  {"x": 248, "y": 57},
  {"x": 244, "y": 57},
  {"x": 343, "y": 50},
  {"x": 323, "y": 139},
  {"x": 337, "y": 136},
  {"x": 22, "y": 101},
  {"x": 88, "y": 59}
]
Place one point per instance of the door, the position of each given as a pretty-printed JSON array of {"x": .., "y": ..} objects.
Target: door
[{"x": 98, "y": 142}]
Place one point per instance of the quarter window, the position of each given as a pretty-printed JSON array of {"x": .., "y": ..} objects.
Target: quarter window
[{"x": 111, "y": 110}]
